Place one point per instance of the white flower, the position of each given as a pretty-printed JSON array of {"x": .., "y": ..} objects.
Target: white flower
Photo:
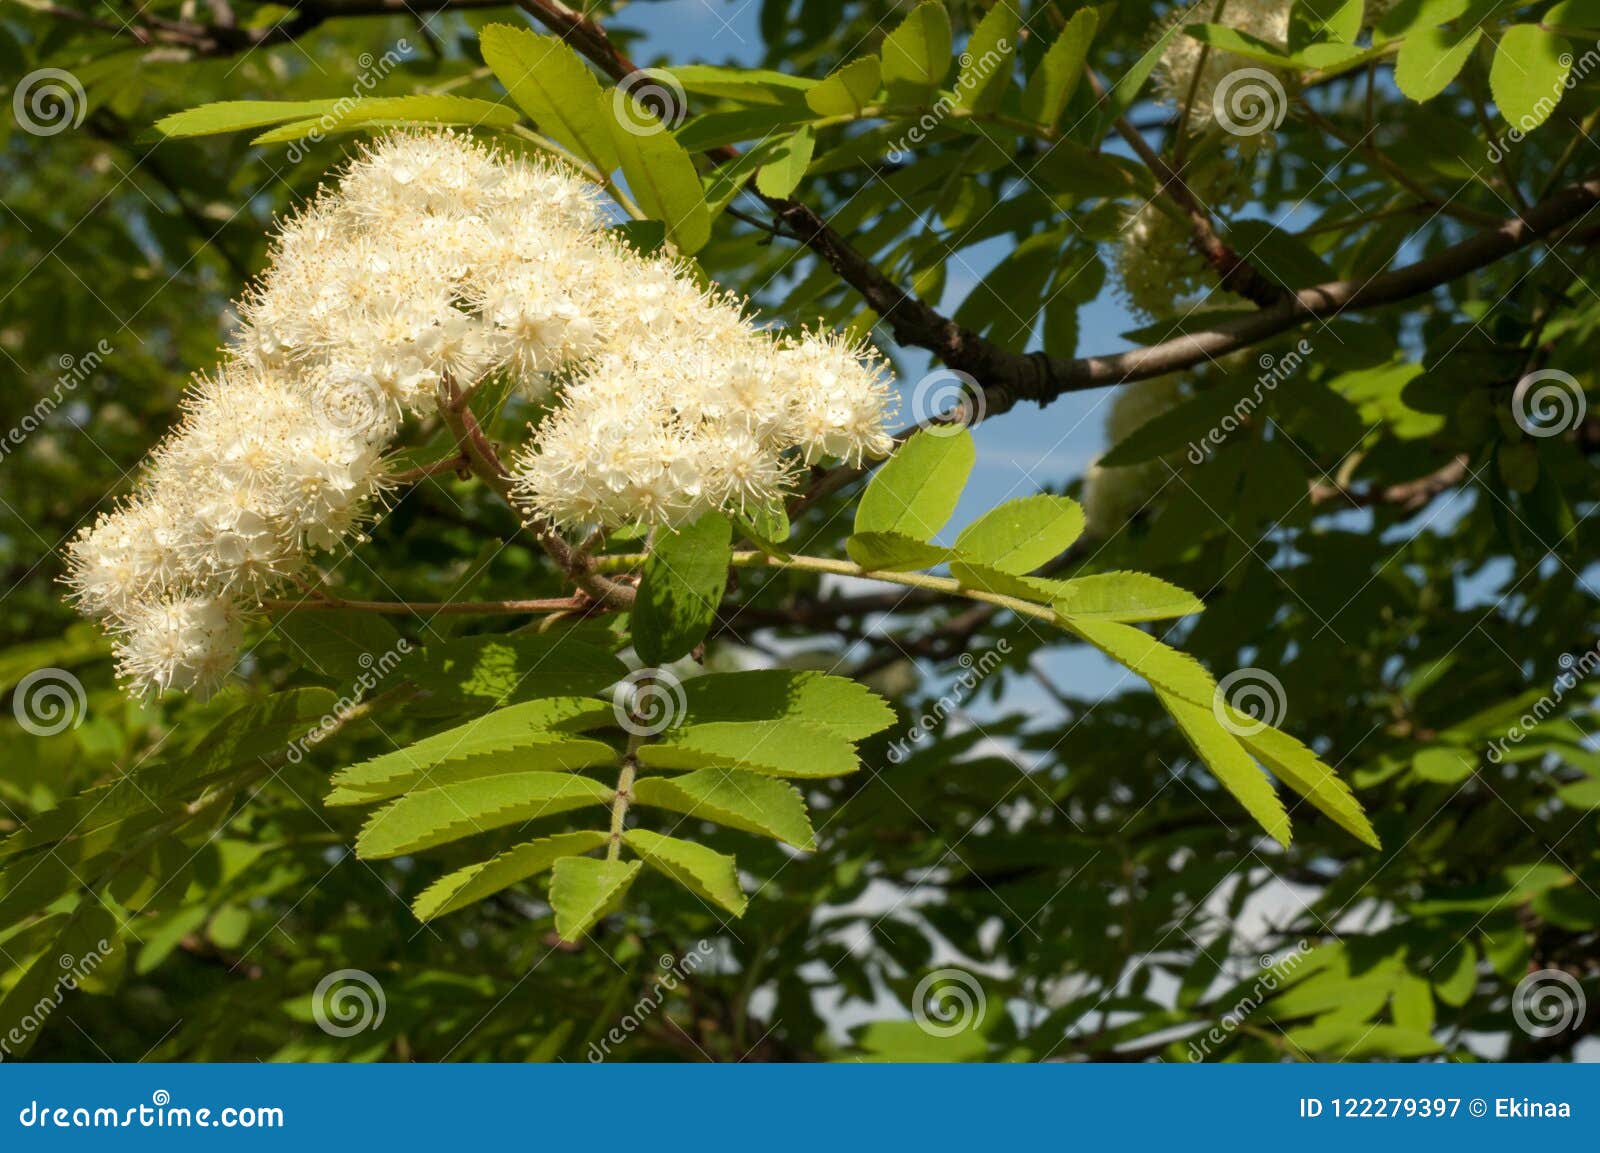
[
  {"x": 187, "y": 644},
  {"x": 433, "y": 259},
  {"x": 1189, "y": 67}
]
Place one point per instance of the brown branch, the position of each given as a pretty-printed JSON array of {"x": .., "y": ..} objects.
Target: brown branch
[
  {"x": 1408, "y": 496},
  {"x": 1234, "y": 272},
  {"x": 224, "y": 37},
  {"x": 485, "y": 461},
  {"x": 573, "y": 604}
]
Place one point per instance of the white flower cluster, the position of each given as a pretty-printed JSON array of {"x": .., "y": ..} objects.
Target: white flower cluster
[
  {"x": 1188, "y": 67},
  {"x": 696, "y": 411},
  {"x": 1111, "y": 496},
  {"x": 437, "y": 259},
  {"x": 1157, "y": 264}
]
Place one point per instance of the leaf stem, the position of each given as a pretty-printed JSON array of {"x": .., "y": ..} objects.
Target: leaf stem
[{"x": 624, "y": 562}]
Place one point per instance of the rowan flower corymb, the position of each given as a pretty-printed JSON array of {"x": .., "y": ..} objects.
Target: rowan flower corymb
[{"x": 436, "y": 262}]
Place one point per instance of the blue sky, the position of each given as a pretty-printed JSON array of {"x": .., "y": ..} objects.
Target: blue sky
[{"x": 1019, "y": 452}]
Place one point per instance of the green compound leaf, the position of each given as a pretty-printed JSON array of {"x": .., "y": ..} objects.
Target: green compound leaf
[
  {"x": 708, "y": 874},
  {"x": 1169, "y": 671},
  {"x": 389, "y": 111},
  {"x": 1056, "y": 78},
  {"x": 916, "y": 55},
  {"x": 1230, "y": 763},
  {"x": 986, "y": 74},
  {"x": 1121, "y": 596},
  {"x": 782, "y": 748},
  {"x": 496, "y": 670},
  {"x": 840, "y": 705},
  {"x": 584, "y": 889},
  {"x": 550, "y": 82},
  {"x": 397, "y": 773},
  {"x": 1304, "y": 772},
  {"x": 467, "y": 886},
  {"x": 1529, "y": 74},
  {"x": 1020, "y": 535},
  {"x": 914, "y": 494},
  {"x": 239, "y": 115},
  {"x": 1430, "y": 58},
  {"x": 438, "y": 815},
  {"x": 781, "y": 175},
  {"x": 735, "y": 798},
  {"x": 893, "y": 552},
  {"x": 661, "y": 176},
  {"x": 849, "y": 90},
  {"x": 981, "y": 576},
  {"x": 684, "y": 579},
  {"x": 535, "y": 729}
]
